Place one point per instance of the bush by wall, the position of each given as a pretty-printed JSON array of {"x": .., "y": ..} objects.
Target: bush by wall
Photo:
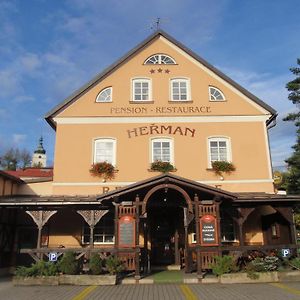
[{"x": 68, "y": 264}]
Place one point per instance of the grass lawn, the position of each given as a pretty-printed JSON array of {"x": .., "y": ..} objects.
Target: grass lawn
[{"x": 168, "y": 277}]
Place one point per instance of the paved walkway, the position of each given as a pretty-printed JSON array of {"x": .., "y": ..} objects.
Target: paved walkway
[{"x": 275, "y": 291}]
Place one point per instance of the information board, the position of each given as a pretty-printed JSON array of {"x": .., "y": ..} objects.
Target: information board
[
  {"x": 127, "y": 231},
  {"x": 208, "y": 231}
]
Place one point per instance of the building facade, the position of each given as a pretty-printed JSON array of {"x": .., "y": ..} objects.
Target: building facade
[{"x": 159, "y": 104}]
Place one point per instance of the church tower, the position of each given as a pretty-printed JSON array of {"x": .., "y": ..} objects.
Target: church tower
[{"x": 39, "y": 158}]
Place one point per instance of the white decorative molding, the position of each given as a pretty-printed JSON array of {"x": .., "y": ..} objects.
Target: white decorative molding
[{"x": 165, "y": 119}]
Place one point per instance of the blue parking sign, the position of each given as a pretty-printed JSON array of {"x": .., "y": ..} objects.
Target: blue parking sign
[
  {"x": 285, "y": 252},
  {"x": 52, "y": 256}
]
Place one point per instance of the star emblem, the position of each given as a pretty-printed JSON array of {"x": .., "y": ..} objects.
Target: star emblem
[
  {"x": 159, "y": 70},
  {"x": 152, "y": 71},
  {"x": 167, "y": 71}
]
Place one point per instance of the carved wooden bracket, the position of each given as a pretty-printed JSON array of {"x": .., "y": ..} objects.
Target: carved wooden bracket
[
  {"x": 92, "y": 217},
  {"x": 41, "y": 217}
]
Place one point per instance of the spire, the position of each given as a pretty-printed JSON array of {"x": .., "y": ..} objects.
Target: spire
[{"x": 40, "y": 149}]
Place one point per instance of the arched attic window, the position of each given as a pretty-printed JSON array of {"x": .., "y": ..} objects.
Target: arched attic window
[
  {"x": 160, "y": 59},
  {"x": 216, "y": 94},
  {"x": 105, "y": 95}
]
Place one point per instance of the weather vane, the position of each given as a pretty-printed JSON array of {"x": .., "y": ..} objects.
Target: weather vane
[{"x": 157, "y": 24}]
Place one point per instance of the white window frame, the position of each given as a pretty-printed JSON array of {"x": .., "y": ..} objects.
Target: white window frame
[
  {"x": 210, "y": 94},
  {"x": 160, "y": 62},
  {"x": 141, "y": 80},
  {"x": 219, "y": 139},
  {"x": 105, "y": 139},
  {"x": 188, "y": 89},
  {"x": 86, "y": 226},
  {"x": 102, "y": 91},
  {"x": 162, "y": 139}
]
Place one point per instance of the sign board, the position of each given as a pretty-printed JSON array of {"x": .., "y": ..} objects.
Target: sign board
[
  {"x": 208, "y": 231},
  {"x": 127, "y": 231},
  {"x": 285, "y": 252},
  {"x": 53, "y": 256}
]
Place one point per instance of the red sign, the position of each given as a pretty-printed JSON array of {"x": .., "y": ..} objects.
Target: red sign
[
  {"x": 208, "y": 231},
  {"x": 126, "y": 231}
]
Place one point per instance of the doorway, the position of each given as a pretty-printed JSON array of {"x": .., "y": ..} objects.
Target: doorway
[{"x": 165, "y": 222}]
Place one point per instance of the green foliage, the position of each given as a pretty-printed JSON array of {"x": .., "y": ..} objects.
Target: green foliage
[
  {"x": 295, "y": 263},
  {"x": 293, "y": 180},
  {"x": 162, "y": 166},
  {"x": 223, "y": 265},
  {"x": 114, "y": 265},
  {"x": 260, "y": 264},
  {"x": 103, "y": 169},
  {"x": 222, "y": 166},
  {"x": 96, "y": 264},
  {"x": 68, "y": 264},
  {"x": 40, "y": 268}
]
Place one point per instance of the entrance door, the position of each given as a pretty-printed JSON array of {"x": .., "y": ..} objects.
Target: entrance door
[{"x": 166, "y": 235}]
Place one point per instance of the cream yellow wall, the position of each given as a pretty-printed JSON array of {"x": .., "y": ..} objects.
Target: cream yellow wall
[
  {"x": 121, "y": 78},
  {"x": 238, "y": 118},
  {"x": 37, "y": 188},
  {"x": 74, "y": 155}
]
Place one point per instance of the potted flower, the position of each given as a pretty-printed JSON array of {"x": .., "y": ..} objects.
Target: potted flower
[
  {"x": 103, "y": 169},
  {"x": 162, "y": 166},
  {"x": 222, "y": 166}
]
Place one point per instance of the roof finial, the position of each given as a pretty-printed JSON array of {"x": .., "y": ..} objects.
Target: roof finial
[{"x": 156, "y": 24}]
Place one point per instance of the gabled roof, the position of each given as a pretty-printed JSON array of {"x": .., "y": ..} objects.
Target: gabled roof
[
  {"x": 6, "y": 175},
  {"x": 68, "y": 101},
  {"x": 166, "y": 178},
  {"x": 32, "y": 172}
]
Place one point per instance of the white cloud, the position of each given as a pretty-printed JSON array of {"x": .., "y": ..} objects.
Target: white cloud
[{"x": 18, "y": 139}]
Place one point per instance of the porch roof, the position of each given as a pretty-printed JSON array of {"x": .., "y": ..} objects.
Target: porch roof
[
  {"x": 59, "y": 200},
  {"x": 167, "y": 178}
]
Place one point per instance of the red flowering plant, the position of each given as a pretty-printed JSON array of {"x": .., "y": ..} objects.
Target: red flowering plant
[
  {"x": 103, "y": 169},
  {"x": 162, "y": 166},
  {"x": 222, "y": 166}
]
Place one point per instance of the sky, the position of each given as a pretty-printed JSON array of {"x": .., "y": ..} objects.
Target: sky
[{"x": 49, "y": 49}]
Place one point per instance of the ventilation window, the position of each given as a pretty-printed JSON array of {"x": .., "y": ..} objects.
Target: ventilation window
[
  {"x": 105, "y": 95},
  {"x": 160, "y": 59},
  {"x": 215, "y": 94}
]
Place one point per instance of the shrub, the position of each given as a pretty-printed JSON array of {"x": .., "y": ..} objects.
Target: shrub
[
  {"x": 40, "y": 268},
  {"x": 224, "y": 264},
  {"x": 259, "y": 264},
  {"x": 295, "y": 263},
  {"x": 114, "y": 265},
  {"x": 95, "y": 264},
  {"x": 162, "y": 166},
  {"x": 69, "y": 264},
  {"x": 222, "y": 166}
]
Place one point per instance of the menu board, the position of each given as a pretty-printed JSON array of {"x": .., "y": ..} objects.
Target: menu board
[
  {"x": 127, "y": 231},
  {"x": 208, "y": 231}
]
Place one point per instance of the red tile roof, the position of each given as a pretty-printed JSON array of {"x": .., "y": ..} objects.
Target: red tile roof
[{"x": 32, "y": 172}]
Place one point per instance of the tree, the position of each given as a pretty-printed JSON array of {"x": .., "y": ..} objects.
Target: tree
[
  {"x": 13, "y": 158},
  {"x": 293, "y": 180}
]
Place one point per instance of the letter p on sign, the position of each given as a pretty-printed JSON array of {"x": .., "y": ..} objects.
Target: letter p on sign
[
  {"x": 285, "y": 252},
  {"x": 52, "y": 256}
]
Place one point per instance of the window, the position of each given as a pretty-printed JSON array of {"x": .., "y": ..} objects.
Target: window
[
  {"x": 105, "y": 150},
  {"x": 105, "y": 95},
  {"x": 161, "y": 59},
  {"x": 227, "y": 227},
  {"x": 162, "y": 150},
  {"x": 103, "y": 231},
  {"x": 141, "y": 90},
  {"x": 180, "y": 90},
  {"x": 215, "y": 94},
  {"x": 219, "y": 149}
]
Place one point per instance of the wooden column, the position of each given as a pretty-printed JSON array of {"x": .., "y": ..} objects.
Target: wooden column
[
  {"x": 92, "y": 217},
  {"x": 186, "y": 241},
  {"x": 199, "y": 263},
  {"x": 116, "y": 227},
  {"x": 176, "y": 245},
  {"x": 137, "y": 239},
  {"x": 40, "y": 218}
]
